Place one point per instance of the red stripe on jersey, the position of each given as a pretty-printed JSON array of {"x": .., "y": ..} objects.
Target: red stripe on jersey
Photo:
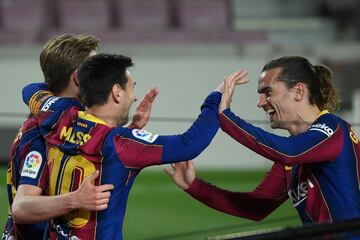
[
  {"x": 326, "y": 150},
  {"x": 316, "y": 206},
  {"x": 135, "y": 154},
  {"x": 356, "y": 147}
]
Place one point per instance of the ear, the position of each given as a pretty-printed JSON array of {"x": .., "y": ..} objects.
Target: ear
[
  {"x": 300, "y": 91},
  {"x": 116, "y": 92},
  {"x": 74, "y": 78}
]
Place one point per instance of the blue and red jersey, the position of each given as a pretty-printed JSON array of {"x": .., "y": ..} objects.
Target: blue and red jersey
[
  {"x": 26, "y": 166},
  {"x": 79, "y": 143},
  {"x": 319, "y": 170}
]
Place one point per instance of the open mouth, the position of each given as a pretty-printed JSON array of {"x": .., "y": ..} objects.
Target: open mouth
[{"x": 271, "y": 112}]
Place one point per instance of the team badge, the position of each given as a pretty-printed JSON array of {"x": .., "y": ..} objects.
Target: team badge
[
  {"x": 32, "y": 164},
  {"x": 144, "y": 135}
]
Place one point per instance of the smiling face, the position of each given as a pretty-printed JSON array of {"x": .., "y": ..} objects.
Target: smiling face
[{"x": 276, "y": 99}]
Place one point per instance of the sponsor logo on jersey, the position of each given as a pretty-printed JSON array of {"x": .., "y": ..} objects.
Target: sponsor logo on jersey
[
  {"x": 299, "y": 193},
  {"x": 32, "y": 164},
  {"x": 322, "y": 127},
  {"x": 144, "y": 135},
  {"x": 48, "y": 103},
  {"x": 59, "y": 230}
]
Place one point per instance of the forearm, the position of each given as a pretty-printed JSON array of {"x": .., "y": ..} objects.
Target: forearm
[
  {"x": 247, "y": 205},
  {"x": 191, "y": 143},
  {"x": 307, "y": 147},
  {"x": 37, "y": 208},
  {"x": 151, "y": 149}
]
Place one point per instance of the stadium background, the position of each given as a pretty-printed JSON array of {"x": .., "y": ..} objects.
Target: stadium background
[{"x": 185, "y": 47}]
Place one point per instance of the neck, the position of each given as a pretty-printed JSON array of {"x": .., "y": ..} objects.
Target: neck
[
  {"x": 69, "y": 91},
  {"x": 304, "y": 119},
  {"x": 104, "y": 113}
]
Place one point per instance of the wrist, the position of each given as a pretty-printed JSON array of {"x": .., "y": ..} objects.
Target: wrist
[{"x": 71, "y": 200}]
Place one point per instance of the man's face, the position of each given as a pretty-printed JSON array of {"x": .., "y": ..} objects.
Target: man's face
[
  {"x": 276, "y": 99},
  {"x": 128, "y": 98}
]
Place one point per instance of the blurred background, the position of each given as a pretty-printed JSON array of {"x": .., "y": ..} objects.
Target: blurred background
[{"x": 185, "y": 48}]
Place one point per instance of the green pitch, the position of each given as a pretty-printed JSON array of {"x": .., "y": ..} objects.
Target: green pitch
[{"x": 158, "y": 210}]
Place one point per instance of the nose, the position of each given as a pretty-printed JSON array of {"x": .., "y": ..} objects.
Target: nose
[{"x": 262, "y": 101}]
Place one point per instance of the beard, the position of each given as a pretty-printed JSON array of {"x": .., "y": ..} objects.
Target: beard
[{"x": 123, "y": 120}]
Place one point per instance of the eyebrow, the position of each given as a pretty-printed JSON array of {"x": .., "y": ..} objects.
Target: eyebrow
[{"x": 264, "y": 89}]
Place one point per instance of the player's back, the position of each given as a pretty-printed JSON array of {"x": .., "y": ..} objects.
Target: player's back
[
  {"x": 26, "y": 166},
  {"x": 79, "y": 146}
]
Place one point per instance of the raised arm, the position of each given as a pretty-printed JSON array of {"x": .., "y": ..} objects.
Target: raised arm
[
  {"x": 322, "y": 141},
  {"x": 139, "y": 148},
  {"x": 255, "y": 205}
]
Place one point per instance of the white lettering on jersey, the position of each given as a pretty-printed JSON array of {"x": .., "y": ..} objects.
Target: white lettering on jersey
[
  {"x": 48, "y": 103},
  {"x": 322, "y": 127},
  {"x": 299, "y": 194}
]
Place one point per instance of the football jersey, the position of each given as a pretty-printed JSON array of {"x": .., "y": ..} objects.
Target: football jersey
[
  {"x": 80, "y": 143},
  {"x": 26, "y": 166},
  {"x": 325, "y": 164}
]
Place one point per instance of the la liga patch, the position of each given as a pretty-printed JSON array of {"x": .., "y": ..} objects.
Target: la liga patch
[
  {"x": 32, "y": 164},
  {"x": 144, "y": 135}
]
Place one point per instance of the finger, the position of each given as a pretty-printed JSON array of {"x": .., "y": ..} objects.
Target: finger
[
  {"x": 100, "y": 207},
  {"x": 190, "y": 163},
  {"x": 102, "y": 196},
  {"x": 168, "y": 172},
  {"x": 104, "y": 187},
  {"x": 242, "y": 73},
  {"x": 93, "y": 176},
  {"x": 153, "y": 95},
  {"x": 102, "y": 201}
]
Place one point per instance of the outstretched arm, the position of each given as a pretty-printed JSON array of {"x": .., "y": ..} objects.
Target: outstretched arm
[
  {"x": 30, "y": 206},
  {"x": 143, "y": 110},
  {"x": 321, "y": 142},
  {"x": 255, "y": 205},
  {"x": 139, "y": 148}
]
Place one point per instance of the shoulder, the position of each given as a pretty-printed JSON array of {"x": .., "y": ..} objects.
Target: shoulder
[{"x": 327, "y": 123}]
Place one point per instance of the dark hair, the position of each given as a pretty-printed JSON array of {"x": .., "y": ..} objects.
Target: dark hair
[
  {"x": 98, "y": 74},
  {"x": 317, "y": 78},
  {"x": 62, "y": 55}
]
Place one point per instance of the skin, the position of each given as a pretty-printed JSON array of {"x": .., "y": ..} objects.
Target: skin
[
  {"x": 116, "y": 111},
  {"x": 288, "y": 109},
  {"x": 183, "y": 173},
  {"x": 30, "y": 206}
]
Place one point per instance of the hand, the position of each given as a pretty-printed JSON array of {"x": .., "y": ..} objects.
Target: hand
[
  {"x": 143, "y": 110},
  {"x": 93, "y": 198},
  {"x": 237, "y": 78},
  {"x": 183, "y": 174}
]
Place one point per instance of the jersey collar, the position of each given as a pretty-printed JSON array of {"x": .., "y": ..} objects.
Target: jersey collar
[
  {"x": 323, "y": 112},
  {"x": 92, "y": 118}
]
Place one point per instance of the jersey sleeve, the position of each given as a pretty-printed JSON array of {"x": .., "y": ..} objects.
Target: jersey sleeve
[
  {"x": 255, "y": 205},
  {"x": 46, "y": 107},
  {"x": 34, "y": 95},
  {"x": 34, "y": 170},
  {"x": 139, "y": 148},
  {"x": 323, "y": 141}
]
